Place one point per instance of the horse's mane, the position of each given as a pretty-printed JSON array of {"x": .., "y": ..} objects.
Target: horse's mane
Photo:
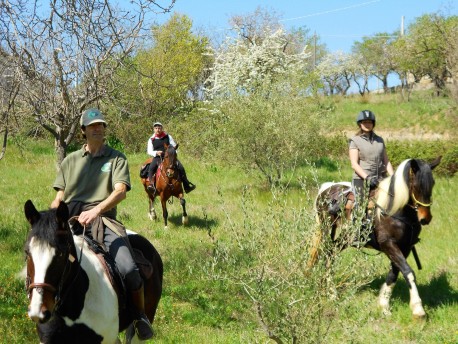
[{"x": 393, "y": 191}]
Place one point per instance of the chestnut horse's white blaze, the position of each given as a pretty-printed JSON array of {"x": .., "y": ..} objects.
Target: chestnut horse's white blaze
[{"x": 42, "y": 254}]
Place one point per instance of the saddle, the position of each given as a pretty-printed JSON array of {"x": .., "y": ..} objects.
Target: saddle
[
  {"x": 145, "y": 268},
  {"x": 339, "y": 197},
  {"x": 144, "y": 171}
]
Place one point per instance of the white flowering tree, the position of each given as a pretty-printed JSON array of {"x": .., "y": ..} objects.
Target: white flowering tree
[
  {"x": 335, "y": 73},
  {"x": 261, "y": 90},
  {"x": 242, "y": 68}
]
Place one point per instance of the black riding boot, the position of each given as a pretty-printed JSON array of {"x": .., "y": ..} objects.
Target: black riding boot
[
  {"x": 152, "y": 176},
  {"x": 141, "y": 323},
  {"x": 187, "y": 185}
]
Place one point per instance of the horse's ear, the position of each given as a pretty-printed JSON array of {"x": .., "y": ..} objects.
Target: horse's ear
[
  {"x": 436, "y": 162},
  {"x": 176, "y": 147},
  {"x": 62, "y": 212},
  {"x": 31, "y": 213}
]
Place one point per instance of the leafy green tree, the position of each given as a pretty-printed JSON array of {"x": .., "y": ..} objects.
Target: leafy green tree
[
  {"x": 376, "y": 52},
  {"x": 168, "y": 75},
  {"x": 427, "y": 42}
]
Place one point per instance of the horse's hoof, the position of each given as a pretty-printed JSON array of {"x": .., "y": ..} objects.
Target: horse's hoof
[
  {"x": 165, "y": 227},
  {"x": 418, "y": 312},
  {"x": 185, "y": 220},
  {"x": 419, "y": 318}
]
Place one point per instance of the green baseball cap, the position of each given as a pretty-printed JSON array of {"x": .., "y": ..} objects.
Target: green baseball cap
[{"x": 91, "y": 116}]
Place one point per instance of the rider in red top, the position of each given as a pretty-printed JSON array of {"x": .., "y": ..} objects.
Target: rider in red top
[{"x": 156, "y": 150}]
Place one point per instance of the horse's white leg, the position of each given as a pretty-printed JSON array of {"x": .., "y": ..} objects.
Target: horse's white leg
[
  {"x": 384, "y": 298},
  {"x": 184, "y": 218},
  {"x": 415, "y": 301},
  {"x": 151, "y": 211}
]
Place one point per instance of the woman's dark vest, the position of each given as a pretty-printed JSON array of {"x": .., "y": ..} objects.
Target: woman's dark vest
[{"x": 158, "y": 144}]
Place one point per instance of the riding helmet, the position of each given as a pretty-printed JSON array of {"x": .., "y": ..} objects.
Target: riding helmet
[{"x": 365, "y": 115}]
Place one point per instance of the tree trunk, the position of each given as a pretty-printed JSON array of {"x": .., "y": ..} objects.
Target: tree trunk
[{"x": 61, "y": 151}]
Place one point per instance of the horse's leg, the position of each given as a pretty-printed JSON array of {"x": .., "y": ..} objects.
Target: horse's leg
[
  {"x": 184, "y": 218},
  {"x": 151, "y": 211},
  {"x": 387, "y": 289},
  {"x": 398, "y": 258},
  {"x": 165, "y": 213}
]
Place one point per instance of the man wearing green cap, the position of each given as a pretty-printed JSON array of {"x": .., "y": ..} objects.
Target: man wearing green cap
[{"x": 93, "y": 181}]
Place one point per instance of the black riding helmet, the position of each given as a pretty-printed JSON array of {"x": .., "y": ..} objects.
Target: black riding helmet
[{"x": 365, "y": 115}]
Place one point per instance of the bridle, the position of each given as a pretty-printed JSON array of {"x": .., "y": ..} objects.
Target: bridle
[
  {"x": 166, "y": 169},
  {"x": 56, "y": 291},
  {"x": 417, "y": 203}
]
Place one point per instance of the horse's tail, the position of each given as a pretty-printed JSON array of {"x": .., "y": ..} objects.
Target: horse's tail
[{"x": 316, "y": 243}]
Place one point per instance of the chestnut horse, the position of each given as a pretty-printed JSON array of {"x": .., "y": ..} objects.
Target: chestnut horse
[
  {"x": 73, "y": 296},
  {"x": 168, "y": 184},
  {"x": 402, "y": 205}
]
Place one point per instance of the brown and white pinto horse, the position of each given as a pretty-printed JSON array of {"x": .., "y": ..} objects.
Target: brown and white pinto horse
[
  {"x": 72, "y": 297},
  {"x": 168, "y": 184},
  {"x": 402, "y": 205}
]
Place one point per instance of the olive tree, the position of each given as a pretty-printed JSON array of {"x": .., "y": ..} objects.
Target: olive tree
[
  {"x": 376, "y": 51},
  {"x": 428, "y": 41},
  {"x": 66, "y": 53}
]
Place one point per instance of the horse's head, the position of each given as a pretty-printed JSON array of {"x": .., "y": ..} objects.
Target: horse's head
[
  {"x": 170, "y": 160},
  {"x": 49, "y": 252},
  {"x": 421, "y": 187}
]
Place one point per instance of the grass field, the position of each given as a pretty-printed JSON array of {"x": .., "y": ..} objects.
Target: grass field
[{"x": 197, "y": 307}]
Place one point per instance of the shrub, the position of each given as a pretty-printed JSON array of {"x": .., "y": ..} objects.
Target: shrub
[{"x": 398, "y": 151}]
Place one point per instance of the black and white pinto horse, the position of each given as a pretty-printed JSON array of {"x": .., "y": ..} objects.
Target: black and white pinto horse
[
  {"x": 402, "y": 206},
  {"x": 72, "y": 296}
]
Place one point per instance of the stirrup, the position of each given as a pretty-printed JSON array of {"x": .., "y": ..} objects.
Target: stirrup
[
  {"x": 143, "y": 328},
  {"x": 151, "y": 188}
]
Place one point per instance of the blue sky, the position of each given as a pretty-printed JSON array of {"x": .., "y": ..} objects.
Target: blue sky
[{"x": 338, "y": 22}]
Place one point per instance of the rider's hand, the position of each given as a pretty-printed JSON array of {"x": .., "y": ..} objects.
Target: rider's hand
[
  {"x": 372, "y": 182},
  {"x": 86, "y": 217}
]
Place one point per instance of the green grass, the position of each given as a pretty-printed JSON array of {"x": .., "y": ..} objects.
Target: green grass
[{"x": 196, "y": 308}]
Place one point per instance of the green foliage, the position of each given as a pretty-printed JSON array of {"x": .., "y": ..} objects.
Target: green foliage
[
  {"x": 427, "y": 42},
  {"x": 167, "y": 76},
  {"x": 267, "y": 255},
  {"x": 239, "y": 270},
  {"x": 115, "y": 143},
  {"x": 428, "y": 151},
  {"x": 267, "y": 136}
]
